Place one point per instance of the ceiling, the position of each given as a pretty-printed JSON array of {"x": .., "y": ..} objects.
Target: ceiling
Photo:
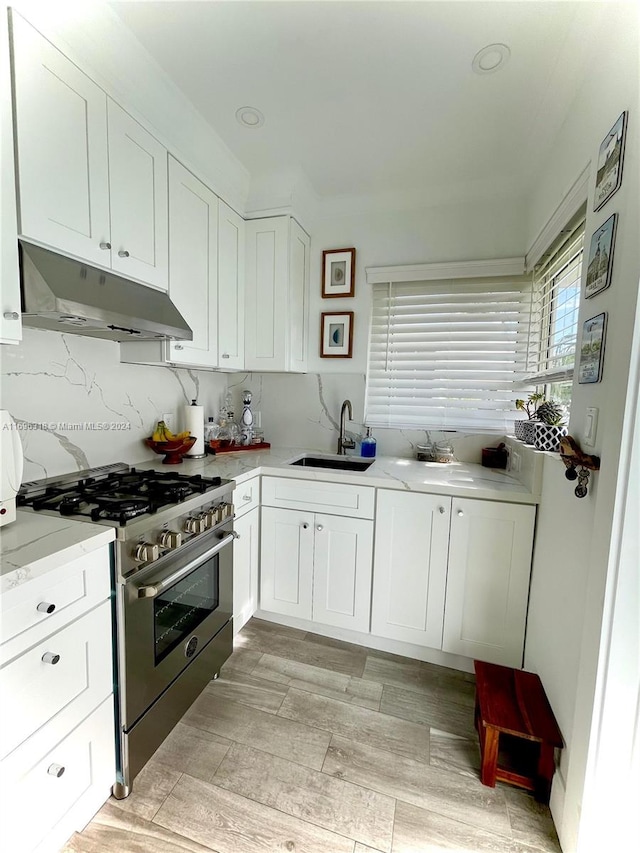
[{"x": 369, "y": 98}]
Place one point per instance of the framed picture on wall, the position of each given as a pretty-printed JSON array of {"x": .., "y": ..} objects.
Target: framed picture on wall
[
  {"x": 592, "y": 349},
  {"x": 600, "y": 260},
  {"x": 336, "y": 334},
  {"x": 338, "y": 273},
  {"x": 610, "y": 157}
]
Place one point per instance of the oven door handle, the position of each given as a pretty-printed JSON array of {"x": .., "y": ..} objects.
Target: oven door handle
[{"x": 153, "y": 590}]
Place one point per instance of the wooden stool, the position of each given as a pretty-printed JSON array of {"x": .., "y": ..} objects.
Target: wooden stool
[{"x": 513, "y": 702}]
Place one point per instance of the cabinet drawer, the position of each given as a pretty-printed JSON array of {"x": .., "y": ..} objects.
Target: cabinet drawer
[
  {"x": 246, "y": 496},
  {"x": 76, "y": 679},
  {"x": 314, "y": 496},
  {"x": 70, "y": 590},
  {"x": 37, "y": 794}
]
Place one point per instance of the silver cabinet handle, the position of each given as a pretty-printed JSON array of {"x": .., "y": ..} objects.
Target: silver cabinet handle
[
  {"x": 441, "y": 510},
  {"x": 304, "y": 525},
  {"x": 460, "y": 512},
  {"x": 246, "y": 497},
  {"x": 319, "y": 527},
  {"x": 49, "y": 657},
  {"x": 179, "y": 346},
  {"x": 226, "y": 355},
  {"x": 123, "y": 253},
  {"x": 55, "y": 770},
  {"x": 45, "y": 607},
  {"x": 105, "y": 245},
  {"x": 11, "y": 315}
]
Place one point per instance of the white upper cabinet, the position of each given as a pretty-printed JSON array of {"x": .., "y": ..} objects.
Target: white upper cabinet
[
  {"x": 410, "y": 569},
  {"x": 193, "y": 265},
  {"x": 61, "y": 128},
  {"x": 138, "y": 194},
  {"x": 277, "y": 293},
  {"x": 488, "y": 580},
  {"x": 10, "y": 321},
  {"x": 231, "y": 261}
]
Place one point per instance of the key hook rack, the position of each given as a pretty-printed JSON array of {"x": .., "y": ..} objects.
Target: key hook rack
[{"x": 574, "y": 458}]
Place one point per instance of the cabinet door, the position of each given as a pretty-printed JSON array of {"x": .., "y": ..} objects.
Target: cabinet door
[
  {"x": 342, "y": 571},
  {"x": 139, "y": 200},
  {"x": 266, "y": 293},
  {"x": 193, "y": 265},
  {"x": 298, "y": 301},
  {"x": 488, "y": 580},
  {"x": 246, "y": 555},
  {"x": 61, "y": 131},
  {"x": 10, "y": 321},
  {"x": 410, "y": 569},
  {"x": 231, "y": 250},
  {"x": 286, "y": 565}
]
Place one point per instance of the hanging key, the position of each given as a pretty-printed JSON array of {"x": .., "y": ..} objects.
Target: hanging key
[{"x": 583, "y": 480}]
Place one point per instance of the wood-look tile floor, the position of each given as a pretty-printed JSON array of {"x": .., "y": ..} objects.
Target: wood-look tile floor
[{"x": 312, "y": 745}]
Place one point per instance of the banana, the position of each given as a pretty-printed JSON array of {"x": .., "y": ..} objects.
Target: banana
[{"x": 163, "y": 433}]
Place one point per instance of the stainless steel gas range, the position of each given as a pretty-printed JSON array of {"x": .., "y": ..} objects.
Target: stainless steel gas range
[{"x": 173, "y": 589}]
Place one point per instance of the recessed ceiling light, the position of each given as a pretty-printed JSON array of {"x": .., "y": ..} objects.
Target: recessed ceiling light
[
  {"x": 491, "y": 58},
  {"x": 250, "y": 117}
]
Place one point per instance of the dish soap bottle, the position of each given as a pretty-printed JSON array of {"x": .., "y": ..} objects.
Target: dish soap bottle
[{"x": 368, "y": 445}]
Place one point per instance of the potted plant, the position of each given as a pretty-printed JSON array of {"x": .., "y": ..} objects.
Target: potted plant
[
  {"x": 525, "y": 430},
  {"x": 550, "y": 427}
]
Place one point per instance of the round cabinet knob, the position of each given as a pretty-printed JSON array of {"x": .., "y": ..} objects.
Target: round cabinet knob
[
  {"x": 105, "y": 245},
  {"x": 55, "y": 770},
  {"x": 319, "y": 527},
  {"x": 11, "y": 315},
  {"x": 123, "y": 253},
  {"x": 441, "y": 510},
  {"x": 170, "y": 540},
  {"x": 50, "y": 657},
  {"x": 146, "y": 552},
  {"x": 45, "y": 607},
  {"x": 460, "y": 513},
  {"x": 305, "y": 525}
]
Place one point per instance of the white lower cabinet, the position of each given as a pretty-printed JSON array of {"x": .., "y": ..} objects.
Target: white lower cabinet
[
  {"x": 410, "y": 572},
  {"x": 453, "y": 574},
  {"x": 488, "y": 580},
  {"x": 246, "y": 561},
  {"x": 316, "y": 566}
]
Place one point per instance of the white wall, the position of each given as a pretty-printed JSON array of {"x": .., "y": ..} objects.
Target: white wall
[
  {"x": 610, "y": 87},
  {"x": 58, "y": 379}
]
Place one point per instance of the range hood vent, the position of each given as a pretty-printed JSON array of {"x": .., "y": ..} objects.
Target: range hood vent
[{"x": 65, "y": 295}]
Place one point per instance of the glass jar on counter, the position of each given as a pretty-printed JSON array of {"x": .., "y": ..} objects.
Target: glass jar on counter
[
  {"x": 425, "y": 453},
  {"x": 443, "y": 451}
]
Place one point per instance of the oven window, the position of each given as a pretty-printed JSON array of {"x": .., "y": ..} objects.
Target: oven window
[{"x": 180, "y": 609}]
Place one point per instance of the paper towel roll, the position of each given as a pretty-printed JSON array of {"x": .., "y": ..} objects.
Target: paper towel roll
[{"x": 194, "y": 422}]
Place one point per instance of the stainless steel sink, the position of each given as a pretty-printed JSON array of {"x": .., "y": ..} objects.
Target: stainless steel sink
[{"x": 338, "y": 463}]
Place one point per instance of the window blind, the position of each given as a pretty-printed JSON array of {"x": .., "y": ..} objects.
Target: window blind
[
  {"x": 554, "y": 314},
  {"x": 448, "y": 354}
]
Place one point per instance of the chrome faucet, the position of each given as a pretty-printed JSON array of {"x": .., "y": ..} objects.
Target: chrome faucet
[{"x": 345, "y": 443}]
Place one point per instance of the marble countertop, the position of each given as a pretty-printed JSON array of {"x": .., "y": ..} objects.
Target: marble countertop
[
  {"x": 458, "y": 479},
  {"x": 35, "y": 544}
]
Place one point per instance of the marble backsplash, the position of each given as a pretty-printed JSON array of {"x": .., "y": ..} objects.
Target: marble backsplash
[
  {"x": 303, "y": 410},
  {"x": 59, "y": 387}
]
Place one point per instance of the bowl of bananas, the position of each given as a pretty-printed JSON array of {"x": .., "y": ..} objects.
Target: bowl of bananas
[{"x": 173, "y": 446}]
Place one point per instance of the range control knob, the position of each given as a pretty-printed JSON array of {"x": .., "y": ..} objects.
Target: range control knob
[
  {"x": 227, "y": 510},
  {"x": 194, "y": 524},
  {"x": 146, "y": 552},
  {"x": 213, "y": 516},
  {"x": 170, "y": 540}
]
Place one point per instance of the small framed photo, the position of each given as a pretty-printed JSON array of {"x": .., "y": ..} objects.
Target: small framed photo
[
  {"x": 600, "y": 260},
  {"x": 592, "y": 349},
  {"x": 336, "y": 334},
  {"x": 610, "y": 157},
  {"x": 338, "y": 273}
]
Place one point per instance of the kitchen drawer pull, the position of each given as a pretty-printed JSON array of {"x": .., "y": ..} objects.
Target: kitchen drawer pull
[
  {"x": 11, "y": 315},
  {"x": 460, "y": 513},
  {"x": 105, "y": 245},
  {"x": 305, "y": 526},
  {"x": 55, "y": 770},
  {"x": 319, "y": 527},
  {"x": 179, "y": 346},
  {"x": 123, "y": 253},
  {"x": 226, "y": 355},
  {"x": 45, "y": 607},
  {"x": 246, "y": 497},
  {"x": 50, "y": 657}
]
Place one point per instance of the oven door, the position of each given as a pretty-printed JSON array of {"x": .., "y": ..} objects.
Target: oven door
[{"x": 170, "y": 612}]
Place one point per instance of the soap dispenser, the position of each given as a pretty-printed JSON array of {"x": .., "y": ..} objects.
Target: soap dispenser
[{"x": 368, "y": 445}]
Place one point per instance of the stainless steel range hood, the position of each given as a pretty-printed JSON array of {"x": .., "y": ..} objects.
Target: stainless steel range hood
[{"x": 66, "y": 295}]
